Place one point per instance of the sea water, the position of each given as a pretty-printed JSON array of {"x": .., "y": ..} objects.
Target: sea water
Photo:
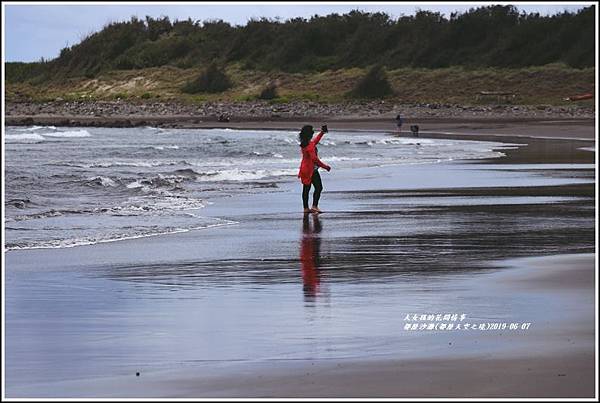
[{"x": 78, "y": 186}]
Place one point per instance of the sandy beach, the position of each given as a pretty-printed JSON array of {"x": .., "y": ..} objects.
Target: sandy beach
[
  {"x": 301, "y": 201},
  {"x": 280, "y": 305}
]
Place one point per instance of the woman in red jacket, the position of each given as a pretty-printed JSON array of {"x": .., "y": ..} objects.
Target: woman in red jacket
[{"x": 309, "y": 168}]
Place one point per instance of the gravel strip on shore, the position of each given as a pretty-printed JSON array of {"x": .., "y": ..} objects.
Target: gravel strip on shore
[{"x": 269, "y": 110}]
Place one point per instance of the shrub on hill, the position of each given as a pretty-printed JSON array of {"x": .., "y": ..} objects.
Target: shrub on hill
[
  {"x": 211, "y": 80},
  {"x": 373, "y": 85},
  {"x": 269, "y": 92}
]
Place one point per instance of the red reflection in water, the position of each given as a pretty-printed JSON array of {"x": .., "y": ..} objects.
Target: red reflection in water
[{"x": 309, "y": 255}]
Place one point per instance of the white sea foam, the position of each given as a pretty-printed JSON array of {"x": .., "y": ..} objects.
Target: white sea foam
[
  {"x": 23, "y": 138},
  {"x": 35, "y": 128},
  {"x": 84, "y": 241},
  {"x": 402, "y": 141},
  {"x": 29, "y": 129},
  {"x": 237, "y": 174},
  {"x": 102, "y": 180},
  {"x": 335, "y": 158},
  {"x": 134, "y": 185},
  {"x": 156, "y": 206},
  {"x": 160, "y": 148},
  {"x": 36, "y": 134},
  {"x": 71, "y": 133},
  {"x": 128, "y": 163}
]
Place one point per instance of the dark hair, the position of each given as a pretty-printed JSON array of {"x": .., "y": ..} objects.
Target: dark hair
[{"x": 305, "y": 135}]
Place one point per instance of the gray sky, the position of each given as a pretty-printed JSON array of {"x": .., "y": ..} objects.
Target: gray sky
[{"x": 33, "y": 31}]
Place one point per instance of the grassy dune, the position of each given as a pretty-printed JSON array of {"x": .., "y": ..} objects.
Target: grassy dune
[{"x": 536, "y": 85}]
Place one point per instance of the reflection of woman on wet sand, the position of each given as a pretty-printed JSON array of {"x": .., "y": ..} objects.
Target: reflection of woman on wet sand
[{"x": 309, "y": 256}]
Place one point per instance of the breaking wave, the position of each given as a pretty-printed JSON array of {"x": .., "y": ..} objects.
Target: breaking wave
[{"x": 35, "y": 134}]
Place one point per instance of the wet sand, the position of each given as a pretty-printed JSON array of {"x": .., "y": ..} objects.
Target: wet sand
[
  {"x": 281, "y": 306},
  {"x": 549, "y": 360}
]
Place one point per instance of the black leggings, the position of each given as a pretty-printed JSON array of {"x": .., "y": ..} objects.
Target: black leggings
[{"x": 316, "y": 182}]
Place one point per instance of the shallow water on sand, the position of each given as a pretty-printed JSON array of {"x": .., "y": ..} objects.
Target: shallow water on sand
[{"x": 394, "y": 240}]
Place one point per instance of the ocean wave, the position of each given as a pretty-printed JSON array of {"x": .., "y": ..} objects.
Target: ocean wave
[
  {"x": 402, "y": 141},
  {"x": 261, "y": 159},
  {"x": 101, "y": 181},
  {"x": 187, "y": 172},
  {"x": 71, "y": 133},
  {"x": 218, "y": 140},
  {"x": 18, "y": 203},
  {"x": 23, "y": 138},
  {"x": 35, "y": 128},
  {"x": 119, "y": 163},
  {"x": 236, "y": 174},
  {"x": 161, "y": 148},
  {"x": 391, "y": 141},
  {"x": 145, "y": 164},
  {"x": 44, "y": 214},
  {"x": 156, "y": 204},
  {"x": 159, "y": 181},
  {"x": 153, "y": 206},
  {"x": 158, "y": 131},
  {"x": 266, "y": 154},
  {"x": 111, "y": 237},
  {"x": 335, "y": 158},
  {"x": 34, "y": 134}
]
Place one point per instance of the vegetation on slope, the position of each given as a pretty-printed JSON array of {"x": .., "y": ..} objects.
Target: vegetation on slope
[
  {"x": 491, "y": 36},
  {"x": 422, "y": 58},
  {"x": 534, "y": 85}
]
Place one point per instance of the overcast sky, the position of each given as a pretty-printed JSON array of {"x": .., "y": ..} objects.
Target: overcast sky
[{"x": 33, "y": 31}]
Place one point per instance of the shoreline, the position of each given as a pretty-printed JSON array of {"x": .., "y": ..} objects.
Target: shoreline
[
  {"x": 266, "y": 123},
  {"x": 581, "y": 132}
]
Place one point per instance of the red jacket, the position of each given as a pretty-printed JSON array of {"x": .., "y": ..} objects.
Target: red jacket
[{"x": 309, "y": 160}]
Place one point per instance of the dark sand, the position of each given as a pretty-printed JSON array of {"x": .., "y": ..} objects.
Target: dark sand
[
  {"x": 277, "y": 307},
  {"x": 550, "y": 360}
]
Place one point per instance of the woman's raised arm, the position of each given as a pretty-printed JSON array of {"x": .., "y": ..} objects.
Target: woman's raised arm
[{"x": 318, "y": 138}]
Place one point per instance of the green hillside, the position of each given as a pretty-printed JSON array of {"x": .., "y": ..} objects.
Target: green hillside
[{"x": 426, "y": 57}]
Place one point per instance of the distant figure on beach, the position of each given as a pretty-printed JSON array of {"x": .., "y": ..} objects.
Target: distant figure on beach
[
  {"x": 399, "y": 122},
  {"x": 414, "y": 129},
  {"x": 309, "y": 167}
]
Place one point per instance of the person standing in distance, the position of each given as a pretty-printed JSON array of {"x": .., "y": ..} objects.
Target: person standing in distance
[{"x": 399, "y": 122}]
